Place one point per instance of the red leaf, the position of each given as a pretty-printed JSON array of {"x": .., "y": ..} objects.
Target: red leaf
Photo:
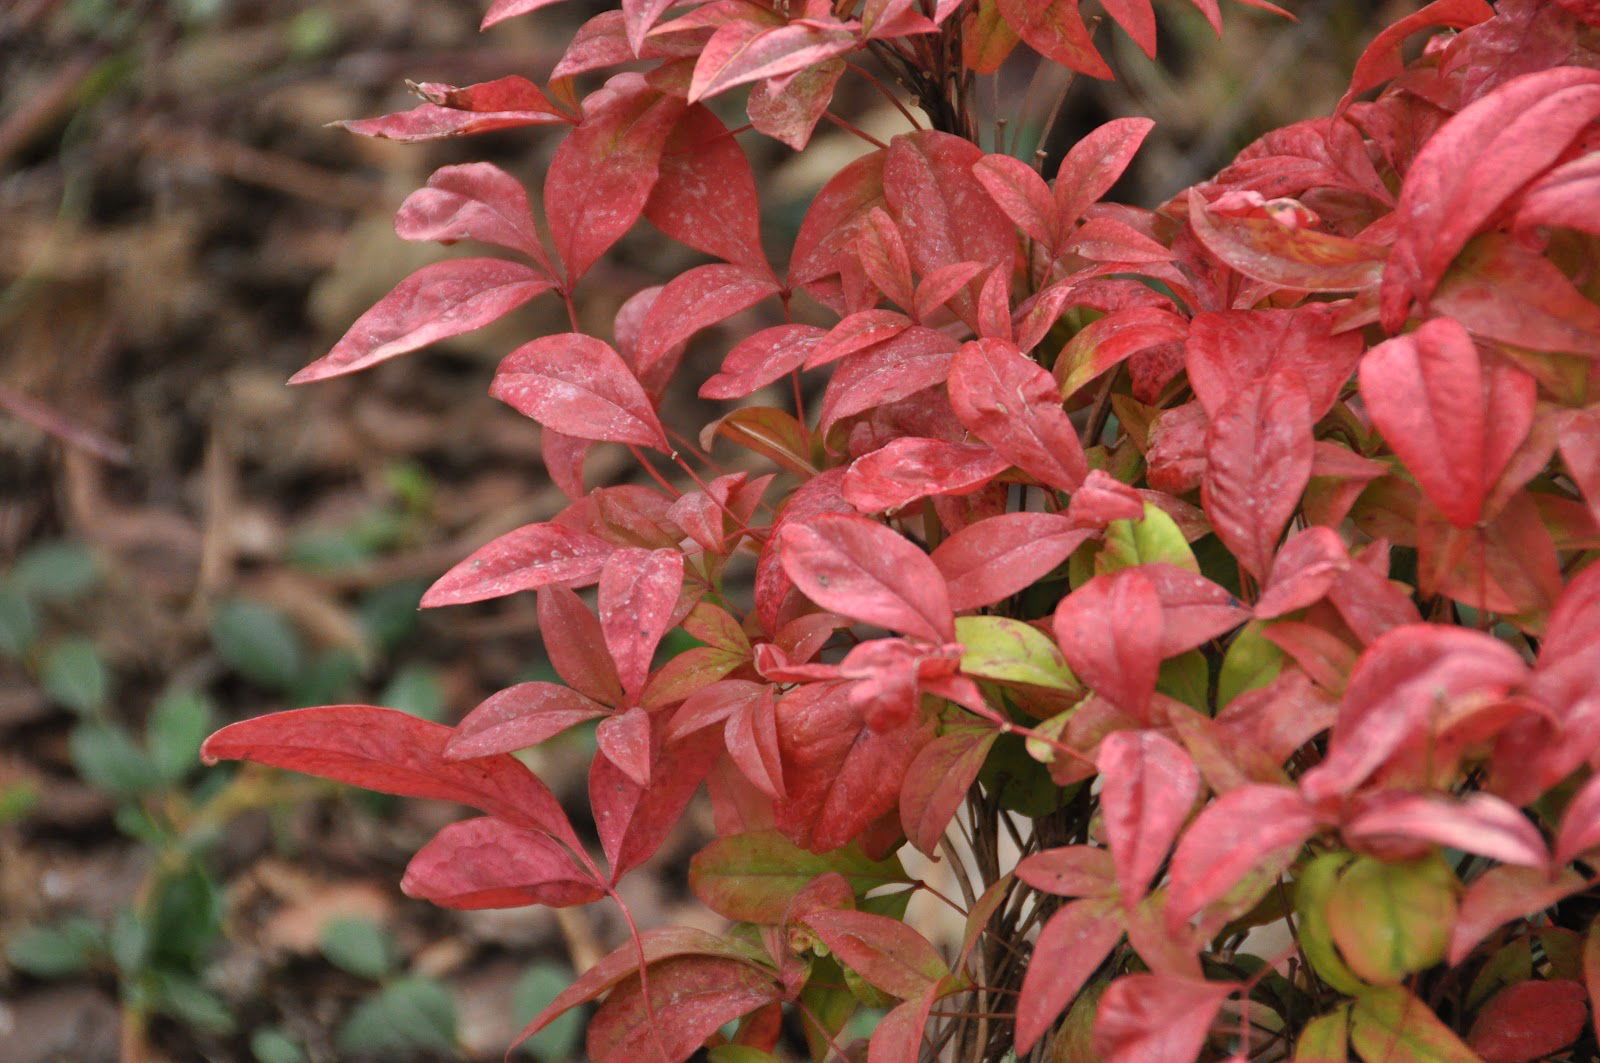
[
  {"x": 429, "y": 121},
  {"x": 1580, "y": 824},
  {"x": 1529, "y": 1021},
  {"x": 743, "y": 51},
  {"x": 575, "y": 644},
  {"x": 885, "y": 259},
  {"x": 1401, "y": 681},
  {"x": 1382, "y": 59},
  {"x": 691, "y": 998},
  {"x": 519, "y": 717},
  {"x": 909, "y": 469},
  {"x": 883, "y": 951},
  {"x": 857, "y": 567},
  {"x": 1019, "y": 191},
  {"x": 638, "y": 596},
  {"x": 1243, "y": 831},
  {"x": 501, "y": 10},
  {"x": 827, "y": 239},
  {"x": 434, "y": 303},
  {"x": 940, "y": 286},
  {"x": 1148, "y": 787},
  {"x": 937, "y": 783},
  {"x": 788, "y": 108},
  {"x": 917, "y": 358},
  {"x": 1502, "y": 894},
  {"x": 1265, "y": 248},
  {"x": 1071, "y": 947},
  {"x": 1435, "y": 400},
  {"x": 899, "y": 1034},
  {"x": 1227, "y": 350},
  {"x": 840, "y": 776},
  {"x": 618, "y": 966},
  {"x": 1564, "y": 197},
  {"x": 762, "y": 358},
  {"x": 998, "y": 556},
  {"x": 535, "y": 555},
  {"x": 1013, "y": 404},
  {"x": 475, "y": 201},
  {"x": 943, "y": 212},
  {"x": 1501, "y": 290},
  {"x": 1111, "y": 340},
  {"x": 690, "y": 302},
  {"x": 1193, "y": 609},
  {"x": 633, "y": 820},
  {"x": 392, "y": 752},
  {"x": 509, "y": 93},
  {"x": 1579, "y": 441},
  {"x": 602, "y": 174},
  {"x": 1138, "y": 19},
  {"x": 579, "y": 386},
  {"x": 1109, "y": 631},
  {"x": 705, "y": 196},
  {"x": 751, "y": 737},
  {"x": 1103, "y": 499},
  {"x": 1095, "y": 163},
  {"x": 1304, "y": 570},
  {"x": 1471, "y": 166},
  {"x": 814, "y": 497},
  {"x": 625, "y": 741},
  {"x": 857, "y": 332},
  {"x": 485, "y": 863},
  {"x": 1055, "y": 29},
  {"x": 1071, "y": 871},
  {"x": 1156, "y": 1018},
  {"x": 1479, "y": 823},
  {"x": 1258, "y": 461}
]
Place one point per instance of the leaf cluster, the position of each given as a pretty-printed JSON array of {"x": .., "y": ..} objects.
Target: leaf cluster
[{"x": 1232, "y": 557}]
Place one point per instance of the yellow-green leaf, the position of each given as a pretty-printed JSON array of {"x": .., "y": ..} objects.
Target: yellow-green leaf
[
  {"x": 1390, "y": 920},
  {"x": 1011, "y": 651},
  {"x": 1154, "y": 537}
]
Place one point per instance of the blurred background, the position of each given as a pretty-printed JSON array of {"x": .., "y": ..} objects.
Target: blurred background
[{"x": 184, "y": 541}]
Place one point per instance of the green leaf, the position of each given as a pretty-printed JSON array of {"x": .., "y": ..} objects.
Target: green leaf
[
  {"x": 258, "y": 642},
  {"x": 1153, "y": 537},
  {"x": 739, "y": 1054},
  {"x": 129, "y": 942},
  {"x": 752, "y": 877},
  {"x": 19, "y": 623},
  {"x": 185, "y": 918},
  {"x": 58, "y": 949},
  {"x": 416, "y": 689},
  {"x": 185, "y": 999},
  {"x": 108, "y": 759},
  {"x": 1017, "y": 781},
  {"x": 1252, "y": 661},
  {"x": 390, "y": 613},
  {"x": 272, "y": 1044},
  {"x": 333, "y": 673},
  {"x": 1325, "y": 1037},
  {"x": 534, "y": 991},
  {"x": 1389, "y": 1025},
  {"x": 995, "y": 647},
  {"x": 359, "y": 946},
  {"x": 178, "y": 723},
  {"x": 1390, "y": 920},
  {"x": 17, "y": 799},
  {"x": 409, "y": 1017},
  {"x": 1311, "y": 892},
  {"x": 75, "y": 675},
  {"x": 57, "y": 571},
  {"x": 1187, "y": 678},
  {"x": 828, "y": 1005}
]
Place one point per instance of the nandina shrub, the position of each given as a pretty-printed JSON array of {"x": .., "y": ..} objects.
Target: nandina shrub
[{"x": 1231, "y": 559}]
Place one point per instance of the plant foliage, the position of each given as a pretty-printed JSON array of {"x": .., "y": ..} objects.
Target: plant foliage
[{"x": 1232, "y": 555}]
